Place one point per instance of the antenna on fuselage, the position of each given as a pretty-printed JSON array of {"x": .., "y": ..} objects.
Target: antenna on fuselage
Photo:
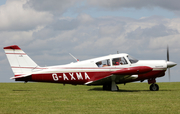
[
  {"x": 117, "y": 52},
  {"x": 74, "y": 57}
]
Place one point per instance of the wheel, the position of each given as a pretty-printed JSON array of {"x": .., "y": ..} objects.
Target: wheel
[{"x": 154, "y": 87}]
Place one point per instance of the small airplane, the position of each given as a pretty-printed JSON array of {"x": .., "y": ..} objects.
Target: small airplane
[{"x": 107, "y": 70}]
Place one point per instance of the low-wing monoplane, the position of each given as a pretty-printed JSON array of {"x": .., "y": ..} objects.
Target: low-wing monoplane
[{"x": 107, "y": 70}]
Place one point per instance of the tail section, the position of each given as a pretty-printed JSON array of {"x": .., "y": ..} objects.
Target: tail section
[{"x": 20, "y": 62}]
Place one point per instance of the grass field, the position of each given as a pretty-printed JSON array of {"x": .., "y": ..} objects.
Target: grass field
[{"x": 42, "y": 98}]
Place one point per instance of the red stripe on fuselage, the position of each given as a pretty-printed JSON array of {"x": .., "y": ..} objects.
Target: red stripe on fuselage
[
  {"x": 70, "y": 78},
  {"x": 84, "y": 77}
]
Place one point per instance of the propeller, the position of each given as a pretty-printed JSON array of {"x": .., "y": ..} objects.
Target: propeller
[
  {"x": 167, "y": 53},
  {"x": 169, "y": 63},
  {"x": 168, "y": 60}
]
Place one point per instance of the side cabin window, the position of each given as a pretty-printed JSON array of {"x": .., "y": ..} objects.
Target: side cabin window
[
  {"x": 119, "y": 61},
  {"x": 103, "y": 63}
]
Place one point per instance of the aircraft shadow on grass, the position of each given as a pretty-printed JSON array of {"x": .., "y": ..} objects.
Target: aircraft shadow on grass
[
  {"x": 122, "y": 90},
  {"x": 100, "y": 89}
]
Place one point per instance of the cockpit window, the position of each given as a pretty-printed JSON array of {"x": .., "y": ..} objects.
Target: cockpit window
[
  {"x": 132, "y": 60},
  {"x": 103, "y": 63},
  {"x": 119, "y": 61}
]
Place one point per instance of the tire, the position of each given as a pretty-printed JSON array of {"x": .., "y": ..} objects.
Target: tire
[{"x": 154, "y": 87}]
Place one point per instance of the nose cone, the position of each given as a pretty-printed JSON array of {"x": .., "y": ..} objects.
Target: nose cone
[{"x": 170, "y": 64}]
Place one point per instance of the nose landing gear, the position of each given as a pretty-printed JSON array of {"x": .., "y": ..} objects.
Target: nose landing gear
[{"x": 154, "y": 87}]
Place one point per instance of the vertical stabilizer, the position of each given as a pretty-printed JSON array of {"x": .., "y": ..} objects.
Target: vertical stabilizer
[{"x": 19, "y": 61}]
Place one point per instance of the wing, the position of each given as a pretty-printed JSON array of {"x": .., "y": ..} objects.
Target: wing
[{"x": 121, "y": 75}]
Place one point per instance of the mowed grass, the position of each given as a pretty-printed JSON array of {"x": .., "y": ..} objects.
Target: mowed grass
[{"x": 47, "y": 98}]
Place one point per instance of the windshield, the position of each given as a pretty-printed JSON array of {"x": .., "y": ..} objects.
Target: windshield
[{"x": 132, "y": 60}]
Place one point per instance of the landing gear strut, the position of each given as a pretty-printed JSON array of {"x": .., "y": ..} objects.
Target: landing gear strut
[
  {"x": 154, "y": 87},
  {"x": 111, "y": 87}
]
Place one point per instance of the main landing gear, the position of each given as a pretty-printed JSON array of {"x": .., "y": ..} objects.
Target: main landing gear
[{"x": 111, "y": 87}]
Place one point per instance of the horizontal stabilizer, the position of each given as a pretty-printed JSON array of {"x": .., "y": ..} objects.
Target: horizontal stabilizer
[
  {"x": 20, "y": 76},
  {"x": 133, "y": 70}
]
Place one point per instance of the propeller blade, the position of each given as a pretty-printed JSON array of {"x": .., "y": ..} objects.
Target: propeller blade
[
  {"x": 167, "y": 53},
  {"x": 169, "y": 74},
  {"x": 168, "y": 60}
]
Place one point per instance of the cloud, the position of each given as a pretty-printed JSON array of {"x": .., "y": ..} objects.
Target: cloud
[
  {"x": 78, "y": 34},
  {"x": 14, "y": 17},
  {"x": 118, "y": 4},
  {"x": 158, "y": 30},
  {"x": 53, "y": 6}
]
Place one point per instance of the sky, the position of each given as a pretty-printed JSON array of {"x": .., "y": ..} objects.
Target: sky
[{"x": 48, "y": 30}]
